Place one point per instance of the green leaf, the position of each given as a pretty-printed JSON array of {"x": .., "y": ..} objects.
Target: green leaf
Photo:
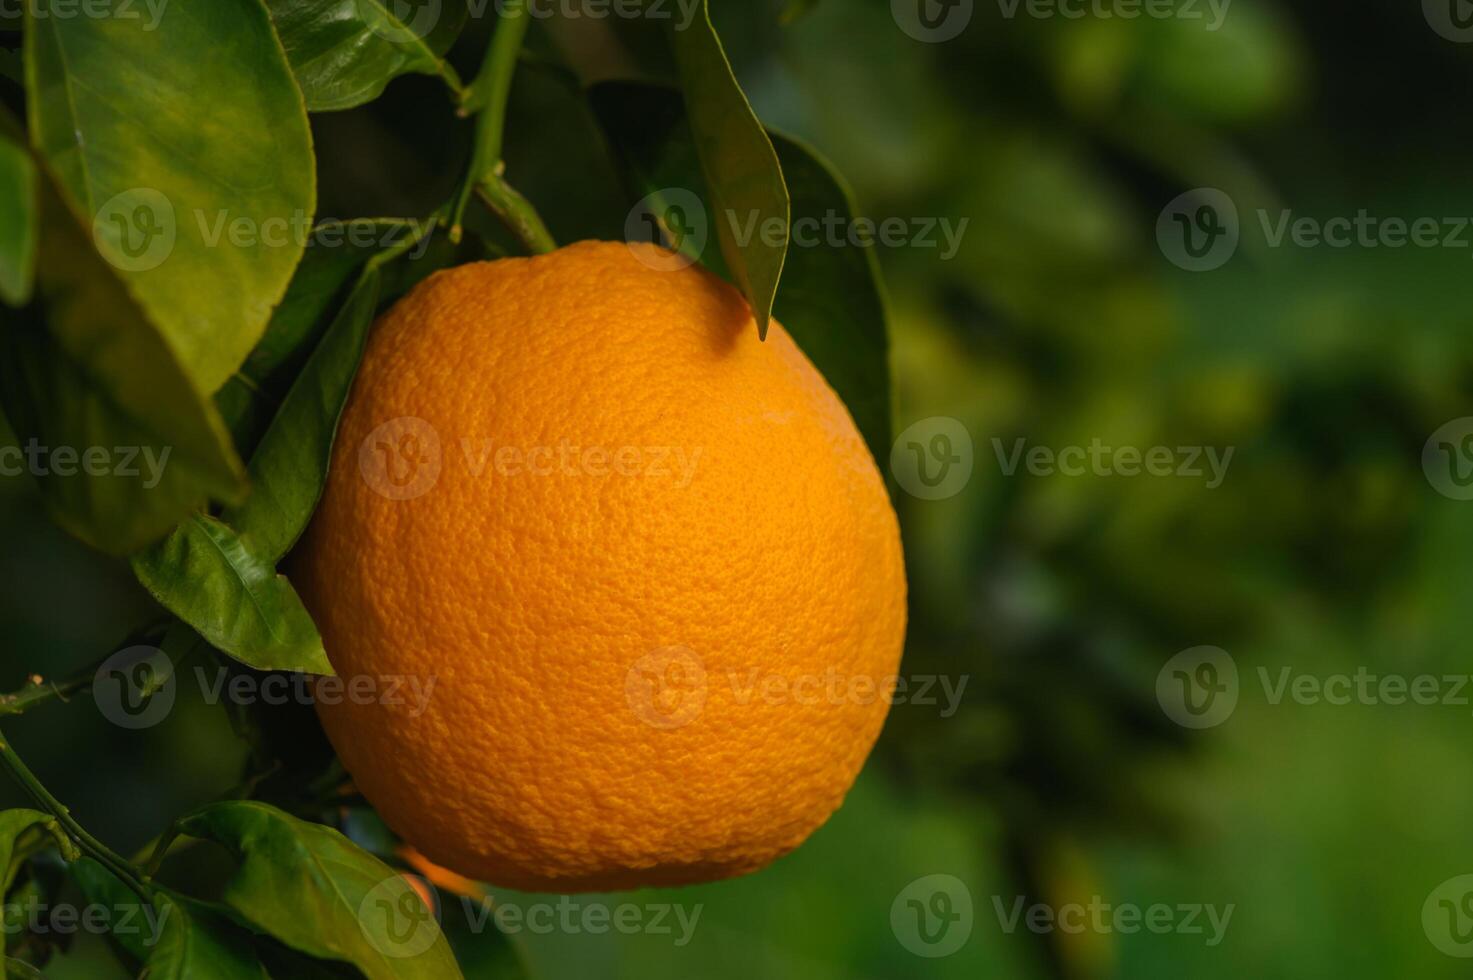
[
  {"x": 178, "y": 938},
  {"x": 344, "y": 52},
  {"x": 208, "y": 576},
  {"x": 18, "y": 222},
  {"x": 321, "y": 894},
  {"x": 831, "y": 301},
  {"x": 744, "y": 179},
  {"x": 22, "y": 833},
  {"x": 21, "y": 970},
  {"x": 252, "y": 395},
  {"x": 91, "y": 375},
  {"x": 185, "y": 141},
  {"x": 289, "y": 468}
]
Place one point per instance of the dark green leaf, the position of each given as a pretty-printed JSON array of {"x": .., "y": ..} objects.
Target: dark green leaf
[
  {"x": 185, "y": 140},
  {"x": 18, "y": 222},
  {"x": 175, "y": 937},
  {"x": 208, "y": 576},
  {"x": 250, "y": 398},
  {"x": 320, "y": 894},
  {"x": 744, "y": 179},
  {"x": 831, "y": 301},
  {"x": 93, "y": 376},
  {"x": 344, "y": 52},
  {"x": 289, "y": 467}
]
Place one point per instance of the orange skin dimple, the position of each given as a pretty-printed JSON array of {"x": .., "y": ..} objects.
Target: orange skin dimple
[{"x": 645, "y": 560}]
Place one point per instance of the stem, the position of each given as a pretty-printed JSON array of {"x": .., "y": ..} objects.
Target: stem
[
  {"x": 39, "y": 691},
  {"x": 91, "y": 845},
  {"x": 418, "y": 232},
  {"x": 516, "y": 212},
  {"x": 486, "y": 98}
]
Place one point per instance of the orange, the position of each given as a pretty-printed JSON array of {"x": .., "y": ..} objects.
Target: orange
[{"x": 618, "y": 584}]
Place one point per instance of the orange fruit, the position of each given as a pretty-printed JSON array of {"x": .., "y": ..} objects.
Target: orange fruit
[{"x": 620, "y": 585}]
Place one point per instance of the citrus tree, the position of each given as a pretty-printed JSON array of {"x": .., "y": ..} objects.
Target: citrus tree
[{"x": 186, "y": 307}]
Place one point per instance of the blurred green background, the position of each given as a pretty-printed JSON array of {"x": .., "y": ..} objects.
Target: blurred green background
[{"x": 1056, "y": 599}]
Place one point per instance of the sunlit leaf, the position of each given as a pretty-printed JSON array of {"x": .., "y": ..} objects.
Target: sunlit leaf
[
  {"x": 344, "y": 52},
  {"x": 208, "y": 576},
  {"x": 184, "y": 139},
  {"x": 744, "y": 180},
  {"x": 321, "y": 894}
]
